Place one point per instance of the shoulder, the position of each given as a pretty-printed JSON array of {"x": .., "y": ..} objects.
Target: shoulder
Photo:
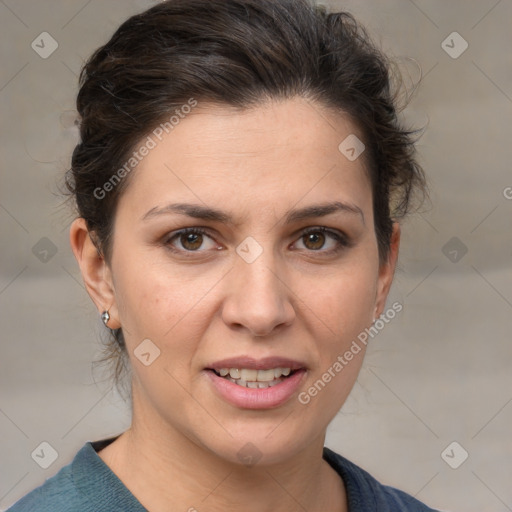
[
  {"x": 57, "y": 494},
  {"x": 365, "y": 493},
  {"x": 87, "y": 484}
]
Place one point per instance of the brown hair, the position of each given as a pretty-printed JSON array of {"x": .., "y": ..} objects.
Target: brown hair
[{"x": 238, "y": 53}]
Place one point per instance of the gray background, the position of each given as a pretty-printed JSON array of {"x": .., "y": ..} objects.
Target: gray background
[{"x": 438, "y": 373}]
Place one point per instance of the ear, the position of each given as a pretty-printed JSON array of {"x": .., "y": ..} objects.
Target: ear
[
  {"x": 387, "y": 271},
  {"x": 95, "y": 271}
]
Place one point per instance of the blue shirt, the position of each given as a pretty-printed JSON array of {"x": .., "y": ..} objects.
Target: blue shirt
[{"x": 87, "y": 484}]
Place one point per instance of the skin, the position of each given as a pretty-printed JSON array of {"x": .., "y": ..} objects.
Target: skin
[{"x": 295, "y": 300}]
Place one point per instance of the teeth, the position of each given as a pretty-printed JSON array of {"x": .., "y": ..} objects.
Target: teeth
[
  {"x": 255, "y": 385},
  {"x": 249, "y": 376},
  {"x": 234, "y": 373},
  {"x": 267, "y": 375}
]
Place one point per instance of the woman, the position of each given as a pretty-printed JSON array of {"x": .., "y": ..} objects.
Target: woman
[{"x": 239, "y": 183}]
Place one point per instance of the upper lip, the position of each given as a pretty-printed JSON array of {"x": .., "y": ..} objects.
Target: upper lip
[{"x": 256, "y": 364}]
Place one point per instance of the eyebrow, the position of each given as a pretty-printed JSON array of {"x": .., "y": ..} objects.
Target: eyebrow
[{"x": 198, "y": 211}]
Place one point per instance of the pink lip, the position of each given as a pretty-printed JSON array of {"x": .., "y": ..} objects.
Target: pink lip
[
  {"x": 256, "y": 364},
  {"x": 250, "y": 398}
]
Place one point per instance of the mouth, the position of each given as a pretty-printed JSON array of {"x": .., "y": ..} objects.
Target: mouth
[
  {"x": 255, "y": 379},
  {"x": 250, "y": 388},
  {"x": 256, "y": 383}
]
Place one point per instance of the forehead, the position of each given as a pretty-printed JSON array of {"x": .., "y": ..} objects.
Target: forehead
[{"x": 278, "y": 153}]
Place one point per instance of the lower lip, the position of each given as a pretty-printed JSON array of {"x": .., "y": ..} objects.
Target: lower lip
[{"x": 254, "y": 398}]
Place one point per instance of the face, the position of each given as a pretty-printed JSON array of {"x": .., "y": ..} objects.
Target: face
[{"x": 259, "y": 274}]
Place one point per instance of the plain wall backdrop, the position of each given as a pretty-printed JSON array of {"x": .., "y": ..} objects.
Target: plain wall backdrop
[{"x": 436, "y": 385}]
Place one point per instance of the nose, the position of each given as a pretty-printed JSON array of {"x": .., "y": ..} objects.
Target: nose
[{"x": 257, "y": 297}]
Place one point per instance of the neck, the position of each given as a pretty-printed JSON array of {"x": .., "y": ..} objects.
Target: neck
[{"x": 162, "y": 466}]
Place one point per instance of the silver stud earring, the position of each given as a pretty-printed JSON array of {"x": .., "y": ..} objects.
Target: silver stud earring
[{"x": 105, "y": 317}]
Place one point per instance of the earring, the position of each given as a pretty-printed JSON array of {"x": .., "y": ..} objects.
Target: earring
[{"x": 105, "y": 317}]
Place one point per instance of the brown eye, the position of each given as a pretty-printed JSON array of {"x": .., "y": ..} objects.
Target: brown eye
[
  {"x": 314, "y": 241},
  {"x": 190, "y": 240}
]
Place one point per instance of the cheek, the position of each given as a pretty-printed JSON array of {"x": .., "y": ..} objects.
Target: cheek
[
  {"x": 156, "y": 306},
  {"x": 345, "y": 301},
  {"x": 158, "y": 301},
  {"x": 344, "y": 309},
  {"x": 143, "y": 297}
]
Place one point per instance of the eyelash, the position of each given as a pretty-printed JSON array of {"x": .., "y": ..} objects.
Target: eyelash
[{"x": 343, "y": 241}]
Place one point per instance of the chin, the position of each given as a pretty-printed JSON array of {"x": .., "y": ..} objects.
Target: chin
[{"x": 254, "y": 446}]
